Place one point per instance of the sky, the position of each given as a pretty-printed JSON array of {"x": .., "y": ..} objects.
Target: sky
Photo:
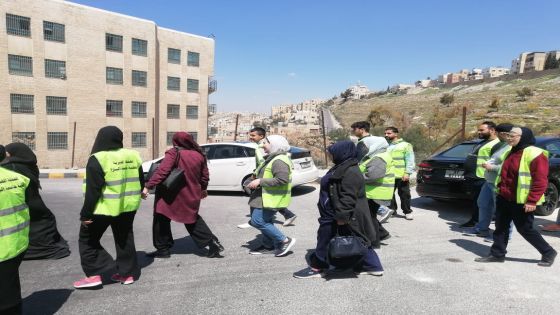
[{"x": 286, "y": 51}]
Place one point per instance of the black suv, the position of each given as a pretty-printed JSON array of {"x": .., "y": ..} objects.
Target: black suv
[{"x": 441, "y": 176}]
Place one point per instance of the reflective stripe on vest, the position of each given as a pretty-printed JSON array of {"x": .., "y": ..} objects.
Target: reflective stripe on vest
[
  {"x": 276, "y": 197},
  {"x": 121, "y": 192},
  {"x": 398, "y": 152},
  {"x": 14, "y": 214},
  {"x": 483, "y": 156},
  {"x": 524, "y": 178},
  {"x": 259, "y": 158},
  {"x": 383, "y": 188}
]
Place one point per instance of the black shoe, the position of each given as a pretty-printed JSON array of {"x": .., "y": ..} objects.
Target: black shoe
[
  {"x": 548, "y": 260},
  {"x": 214, "y": 249},
  {"x": 160, "y": 253},
  {"x": 385, "y": 237},
  {"x": 470, "y": 223},
  {"x": 490, "y": 259}
]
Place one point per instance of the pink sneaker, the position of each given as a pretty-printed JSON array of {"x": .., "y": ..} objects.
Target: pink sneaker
[
  {"x": 122, "y": 279},
  {"x": 88, "y": 282}
]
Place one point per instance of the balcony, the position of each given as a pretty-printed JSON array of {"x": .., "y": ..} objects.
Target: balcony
[
  {"x": 212, "y": 109},
  {"x": 212, "y": 85}
]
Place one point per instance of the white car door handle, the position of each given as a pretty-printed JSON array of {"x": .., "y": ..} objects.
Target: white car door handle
[{"x": 240, "y": 163}]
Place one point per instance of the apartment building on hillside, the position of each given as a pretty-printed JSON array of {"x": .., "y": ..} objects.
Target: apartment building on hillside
[{"x": 71, "y": 69}]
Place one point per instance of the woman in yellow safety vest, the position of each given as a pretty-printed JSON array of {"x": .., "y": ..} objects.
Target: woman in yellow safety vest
[
  {"x": 520, "y": 189},
  {"x": 14, "y": 236},
  {"x": 272, "y": 190},
  {"x": 112, "y": 190}
]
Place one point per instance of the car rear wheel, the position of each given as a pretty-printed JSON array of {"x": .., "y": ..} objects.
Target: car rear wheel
[{"x": 550, "y": 201}]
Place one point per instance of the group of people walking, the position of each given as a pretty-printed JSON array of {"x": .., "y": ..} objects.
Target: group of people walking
[{"x": 356, "y": 196}]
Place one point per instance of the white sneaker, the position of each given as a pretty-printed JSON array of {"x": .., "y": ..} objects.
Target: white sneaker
[
  {"x": 409, "y": 216},
  {"x": 383, "y": 216},
  {"x": 244, "y": 226},
  {"x": 371, "y": 273},
  {"x": 289, "y": 221}
]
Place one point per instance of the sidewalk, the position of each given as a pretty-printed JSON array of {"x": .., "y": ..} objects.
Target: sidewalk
[{"x": 62, "y": 173}]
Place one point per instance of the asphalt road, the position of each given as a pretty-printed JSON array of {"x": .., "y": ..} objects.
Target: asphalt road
[
  {"x": 429, "y": 268},
  {"x": 330, "y": 122}
]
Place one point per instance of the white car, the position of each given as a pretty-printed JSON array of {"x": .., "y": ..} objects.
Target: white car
[{"x": 231, "y": 163}]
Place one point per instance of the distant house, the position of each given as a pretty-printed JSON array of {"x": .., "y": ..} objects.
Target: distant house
[
  {"x": 426, "y": 83},
  {"x": 400, "y": 87},
  {"x": 475, "y": 74},
  {"x": 493, "y": 72},
  {"x": 531, "y": 61},
  {"x": 358, "y": 91}
]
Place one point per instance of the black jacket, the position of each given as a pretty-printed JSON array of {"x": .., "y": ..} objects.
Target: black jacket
[{"x": 348, "y": 199}]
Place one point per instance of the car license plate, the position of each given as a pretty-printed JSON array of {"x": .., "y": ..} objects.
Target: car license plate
[
  {"x": 454, "y": 174},
  {"x": 305, "y": 164}
]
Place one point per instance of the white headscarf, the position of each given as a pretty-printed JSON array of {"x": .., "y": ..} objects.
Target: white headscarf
[
  {"x": 375, "y": 145},
  {"x": 278, "y": 144}
]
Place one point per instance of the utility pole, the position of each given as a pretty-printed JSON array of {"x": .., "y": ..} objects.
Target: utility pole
[
  {"x": 463, "y": 123},
  {"x": 236, "y": 124},
  {"x": 324, "y": 138}
]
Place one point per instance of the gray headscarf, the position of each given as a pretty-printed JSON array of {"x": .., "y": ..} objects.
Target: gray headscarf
[
  {"x": 375, "y": 145},
  {"x": 278, "y": 144}
]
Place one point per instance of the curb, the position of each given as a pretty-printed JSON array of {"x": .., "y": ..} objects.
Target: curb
[{"x": 61, "y": 175}]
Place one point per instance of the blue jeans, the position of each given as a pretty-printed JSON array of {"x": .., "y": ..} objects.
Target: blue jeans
[
  {"x": 486, "y": 207},
  {"x": 262, "y": 220}
]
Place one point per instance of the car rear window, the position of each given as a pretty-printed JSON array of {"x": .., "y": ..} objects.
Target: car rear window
[
  {"x": 299, "y": 153},
  {"x": 460, "y": 151}
]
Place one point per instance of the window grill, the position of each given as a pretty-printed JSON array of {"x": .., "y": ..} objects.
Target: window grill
[
  {"x": 114, "y": 76},
  {"x": 192, "y": 112},
  {"x": 139, "y": 47},
  {"x": 56, "y": 105},
  {"x": 113, "y": 42},
  {"x": 20, "y": 65},
  {"x": 114, "y": 108},
  {"x": 57, "y": 140},
  {"x": 25, "y": 137},
  {"x": 193, "y": 59},
  {"x": 192, "y": 85},
  {"x": 170, "y": 137},
  {"x": 173, "y": 83},
  {"x": 173, "y": 55},
  {"x": 53, "y": 31},
  {"x": 21, "y": 103},
  {"x": 173, "y": 111},
  {"x": 139, "y": 78},
  {"x": 18, "y": 25},
  {"x": 139, "y": 109},
  {"x": 138, "y": 139},
  {"x": 194, "y": 135},
  {"x": 55, "y": 69}
]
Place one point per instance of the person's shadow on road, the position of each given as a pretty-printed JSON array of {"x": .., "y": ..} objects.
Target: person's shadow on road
[{"x": 46, "y": 301}]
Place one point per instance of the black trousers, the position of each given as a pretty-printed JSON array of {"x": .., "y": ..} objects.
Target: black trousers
[
  {"x": 95, "y": 259},
  {"x": 380, "y": 231},
  {"x": 506, "y": 211},
  {"x": 10, "y": 289},
  {"x": 403, "y": 189},
  {"x": 163, "y": 239}
]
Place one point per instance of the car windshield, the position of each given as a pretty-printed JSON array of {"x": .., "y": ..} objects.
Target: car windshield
[{"x": 459, "y": 151}]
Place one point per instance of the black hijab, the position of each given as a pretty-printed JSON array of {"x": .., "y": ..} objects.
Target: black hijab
[
  {"x": 2, "y": 153},
  {"x": 342, "y": 151},
  {"x": 22, "y": 160},
  {"x": 108, "y": 138},
  {"x": 527, "y": 139}
]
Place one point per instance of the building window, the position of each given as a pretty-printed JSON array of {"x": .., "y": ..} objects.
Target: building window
[
  {"x": 173, "y": 83},
  {"x": 20, "y": 65},
  {"x": 173, "y": 55},
  {"x": 53, "y": 31},
  {"x": 138, "y": 139},
  {"x": 27, "y": 138},
  {"x": 113, "y": 42},
  {"x": 170, "y": 135},
  {"x": 192, "y": 85},
  {"x": 193, "y": 59},
  {"x": 57, "y": 140},
  {"x": 194, "y": 135},
  {"x": 173, "y": 111},
  {"x": 139, "y": 109},
  {"x": 114, "y": 108},
  {"x": 55, "y": 69},
  {"x": 139, "y": 78},
  {"x": 56, "y": 105},
  {"x": 114, "y": 76},
  {"x": 192, "y": 112},
  {"x": 21, "y": 103},
  {"x": 139, "y": 47},
  {"x": 18, "y": 25}
]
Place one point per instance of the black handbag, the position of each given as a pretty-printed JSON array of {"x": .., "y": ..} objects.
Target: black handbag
[
  {"x": 346, "y": 251},
  {"x": 176, "y": 178}
]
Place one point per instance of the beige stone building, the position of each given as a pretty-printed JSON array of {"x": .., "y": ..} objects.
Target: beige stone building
[{"x": 68, "y": 70}]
